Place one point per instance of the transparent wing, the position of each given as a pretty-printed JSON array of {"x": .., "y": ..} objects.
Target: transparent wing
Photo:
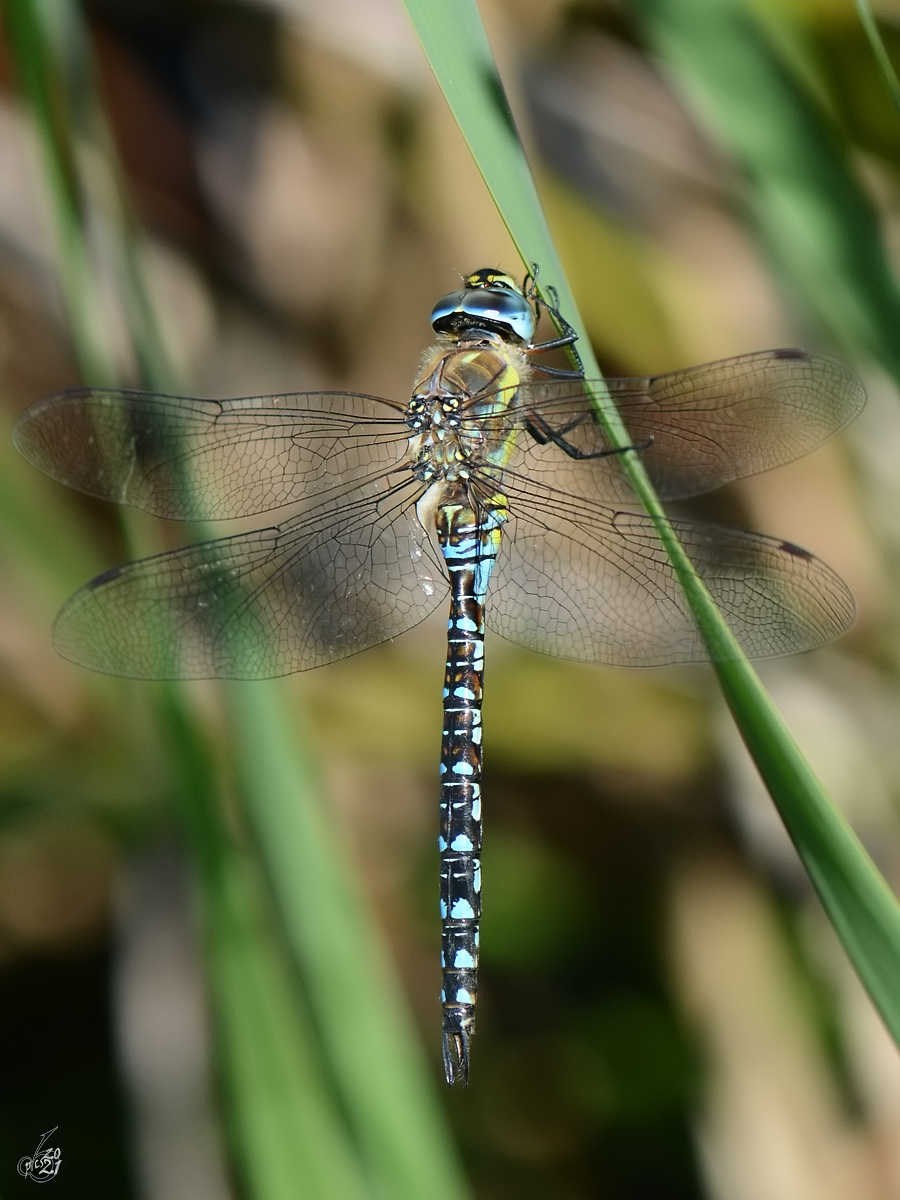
[
  {"x": 708, "y": 424},
  {"x": 188, "y": 459},
  {"x": 589, "y": 582},
  {"x": 313, "y": 589}
]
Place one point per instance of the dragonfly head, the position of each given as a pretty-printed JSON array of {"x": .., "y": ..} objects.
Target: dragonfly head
[{"x": 489, "y": 300}]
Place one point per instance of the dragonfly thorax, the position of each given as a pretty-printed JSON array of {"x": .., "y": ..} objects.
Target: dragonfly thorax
[
  {"x": 455, "y": 391},
  {"x": 437, "y": 447}
]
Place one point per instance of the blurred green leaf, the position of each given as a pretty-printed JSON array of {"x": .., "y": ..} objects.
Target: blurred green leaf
[
  {"x": 879, "y": 50},
  {"x": 858, "y": 94},
  {"x": 813, "y": 217},
  {"x": 861, "y": 906},
  {"x": 360, "y": 1012},
  {"x": 538, "y": 907},
  {"x": 286, "y": 1137},
  {"x": 38, "y": 62},
  {"x": 631, "y": 1063},
  {"x": 287, "y": 1129}
]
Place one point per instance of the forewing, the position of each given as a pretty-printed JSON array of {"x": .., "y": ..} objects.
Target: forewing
[
  {"x": 313, "y": 589},
  {"x": 188, "y": 459},
  {"x": 593, "y": 583},
  {"x": 704, "y": 426}
]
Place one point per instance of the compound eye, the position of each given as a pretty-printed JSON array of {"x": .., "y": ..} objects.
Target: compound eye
[
  {"x": 445, "y": 314},
  {"x": 499, "y": 307}
]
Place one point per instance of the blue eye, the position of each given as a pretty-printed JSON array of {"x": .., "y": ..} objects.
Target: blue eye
[{"x": 504, "y": 311}]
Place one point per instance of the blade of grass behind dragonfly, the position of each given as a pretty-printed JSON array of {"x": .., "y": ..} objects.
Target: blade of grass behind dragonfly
[
  {"x": 813, "y": 217},
  {"x": 870, "y": 26},
  {"x": 859, "y": 903},
  {"x": 45, "y": 92},
  {"x": 290, "y": 1136},
  {"x": 286, "y": 1132}
]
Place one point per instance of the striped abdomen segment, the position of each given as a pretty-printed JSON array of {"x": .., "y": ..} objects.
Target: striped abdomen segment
[{"x": 470, "y": 550}]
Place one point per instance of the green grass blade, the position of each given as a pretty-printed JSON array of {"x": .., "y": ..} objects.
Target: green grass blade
[
  {"x": 45, "y": 90},
  {"x": 359, "y": 1009},
  {"x": 879, "y": 49},
  {"x": 859, "y": 903},
  {"x": 287, "y": 1133},
  {"x": 51, "y": 51},
  {"x": 813, "y": 217}
]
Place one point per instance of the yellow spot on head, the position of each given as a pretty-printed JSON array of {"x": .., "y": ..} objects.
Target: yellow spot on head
[{"x": 489, "y": 277}]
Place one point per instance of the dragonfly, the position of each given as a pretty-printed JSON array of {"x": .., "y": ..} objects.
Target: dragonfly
[{"x": 494, "y": 486}]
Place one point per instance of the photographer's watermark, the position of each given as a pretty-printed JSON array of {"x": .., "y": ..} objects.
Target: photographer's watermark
[{"x": 44, "y": 1164}]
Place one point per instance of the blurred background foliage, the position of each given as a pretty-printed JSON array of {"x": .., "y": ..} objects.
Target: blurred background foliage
[{"x": 269, "y": 197}]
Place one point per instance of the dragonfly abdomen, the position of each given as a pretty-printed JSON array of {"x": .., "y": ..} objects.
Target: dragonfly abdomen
[{"x": 469, "y": 547}]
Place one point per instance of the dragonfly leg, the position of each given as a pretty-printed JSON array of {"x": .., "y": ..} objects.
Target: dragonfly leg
[
  {"x": 568, "y": 338},
  {"x": 567, "y": 334},
  {"x": 542, "y": 432},
  {"x": 557, "y": 372}
]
